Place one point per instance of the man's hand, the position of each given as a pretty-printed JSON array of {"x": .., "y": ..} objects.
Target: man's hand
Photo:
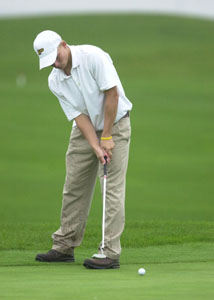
[
  {"x": 107, "y": 146},
  {"x": 100, "y": 153},
  {"x": 87, "y": 129}
]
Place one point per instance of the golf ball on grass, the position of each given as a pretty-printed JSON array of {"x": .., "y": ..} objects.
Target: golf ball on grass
[{"x": 141, "y": 271}]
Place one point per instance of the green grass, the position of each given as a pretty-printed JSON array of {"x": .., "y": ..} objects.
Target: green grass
[
  {"x": 170, "y": 281},
  {"x": 172, "y": 272},
  {"x": 160, "y": 254},
  {"x": 56, "y": 281},
  {"x": 166, "y": 66},
  {"x": 28, "y": 236}
]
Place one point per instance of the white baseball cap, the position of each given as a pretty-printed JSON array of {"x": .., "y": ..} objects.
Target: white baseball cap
[{"x": 45, "y": 46}]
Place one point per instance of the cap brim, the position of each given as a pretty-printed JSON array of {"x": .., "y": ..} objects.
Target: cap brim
[{"x": 48, "y": 60}]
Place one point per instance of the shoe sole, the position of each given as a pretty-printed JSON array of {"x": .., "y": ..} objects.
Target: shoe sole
[
  {"x": 89, "y": 265},
  {"x": 44, "y": 260}
]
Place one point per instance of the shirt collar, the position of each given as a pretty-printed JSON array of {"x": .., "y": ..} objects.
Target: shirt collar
[
  {"x": 75, "y": 58},
  {"x": 75, "y": 62}
]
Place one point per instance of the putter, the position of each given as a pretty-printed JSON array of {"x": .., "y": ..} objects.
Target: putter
[{"x": 102, "y": 255}]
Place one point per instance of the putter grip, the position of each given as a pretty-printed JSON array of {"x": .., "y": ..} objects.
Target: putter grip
[{"x": 105, "y": 165}]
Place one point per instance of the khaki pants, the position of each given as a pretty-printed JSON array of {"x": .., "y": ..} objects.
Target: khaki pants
[{"x": 82, "y": 168}]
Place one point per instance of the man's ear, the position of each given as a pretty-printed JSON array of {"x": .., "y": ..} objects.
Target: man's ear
[{"x": 63, "y": 43}]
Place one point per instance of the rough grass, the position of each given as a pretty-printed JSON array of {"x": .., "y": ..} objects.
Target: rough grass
[{"x": 28, "y": 236}]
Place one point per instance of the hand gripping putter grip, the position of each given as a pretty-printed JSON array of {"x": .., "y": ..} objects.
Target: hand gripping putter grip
[{"x": 102, "y": 255}]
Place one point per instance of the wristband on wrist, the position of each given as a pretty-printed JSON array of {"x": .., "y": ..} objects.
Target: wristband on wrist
[{"x": 106, "y": 138}]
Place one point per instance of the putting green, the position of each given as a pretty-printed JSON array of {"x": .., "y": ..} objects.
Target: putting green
[
  {"x": 173, "y": 272},
  {"x": 55, "y": 281}
]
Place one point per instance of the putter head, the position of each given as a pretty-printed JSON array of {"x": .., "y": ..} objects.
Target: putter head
[{"x": 99, "y": 256}]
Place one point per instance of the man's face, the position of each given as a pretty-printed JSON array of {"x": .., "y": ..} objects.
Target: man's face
[{"x": 62, "y": 57}]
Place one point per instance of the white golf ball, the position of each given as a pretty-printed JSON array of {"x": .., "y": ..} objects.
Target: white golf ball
[{"x": 141, "y": 271}]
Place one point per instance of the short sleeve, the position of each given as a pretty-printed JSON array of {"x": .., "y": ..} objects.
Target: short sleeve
[
  {"x": 70, "y": 112},
  {"x": 102, "y": 69}
]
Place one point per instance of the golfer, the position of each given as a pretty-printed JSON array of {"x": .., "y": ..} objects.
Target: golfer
[{"x": 90, "y": 93}]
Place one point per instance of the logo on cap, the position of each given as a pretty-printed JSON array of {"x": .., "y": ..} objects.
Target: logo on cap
[{"x": 40, "y": 51}]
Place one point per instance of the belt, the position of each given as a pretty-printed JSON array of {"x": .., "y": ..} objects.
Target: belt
[{"x": 126, "y": 115}]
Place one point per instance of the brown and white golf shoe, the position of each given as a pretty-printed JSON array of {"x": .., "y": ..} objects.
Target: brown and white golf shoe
[
  {"x": 54, "y": 256},
  {"x": 101, "y": 263}
]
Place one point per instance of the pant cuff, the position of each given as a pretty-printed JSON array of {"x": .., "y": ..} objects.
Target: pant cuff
[
  {"x": 111, "y": 255},
  {"x": 69, "y": 251}
]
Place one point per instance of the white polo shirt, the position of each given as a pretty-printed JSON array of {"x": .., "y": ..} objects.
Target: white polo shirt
[{"x": 82, "y": 92}]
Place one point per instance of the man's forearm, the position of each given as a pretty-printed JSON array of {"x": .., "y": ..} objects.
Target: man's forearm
[
  {"x": 84, "y": 124},
  {"x": 110, "y": 110}
]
